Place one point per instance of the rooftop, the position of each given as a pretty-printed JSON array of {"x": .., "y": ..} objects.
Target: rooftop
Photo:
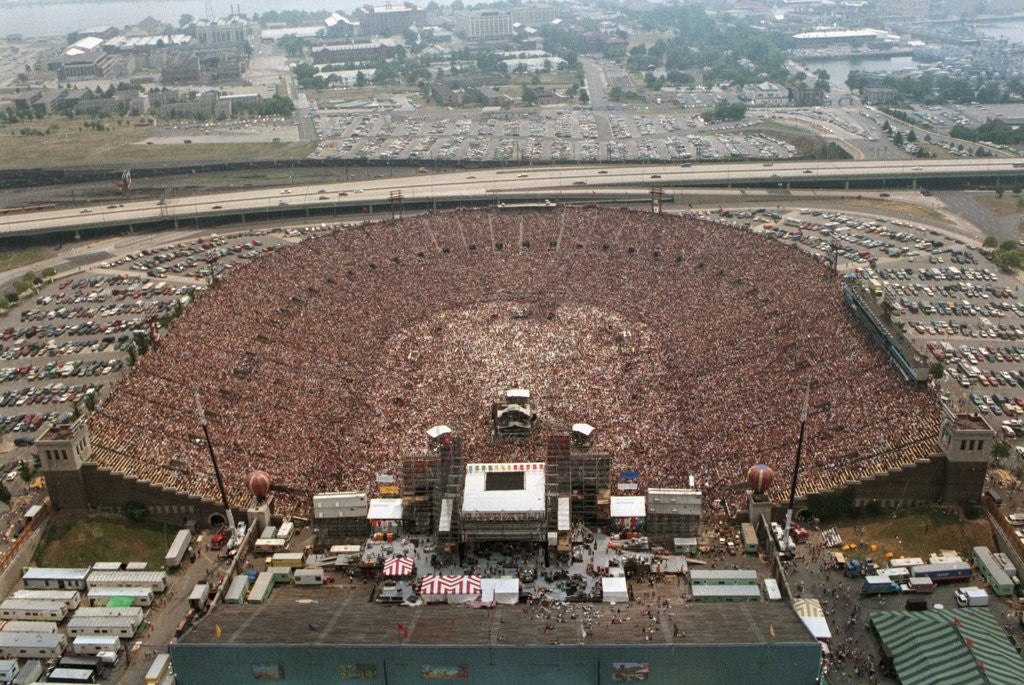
[
  {"x": 496, "y": 488},
  {"x": 341, "y": 614}
]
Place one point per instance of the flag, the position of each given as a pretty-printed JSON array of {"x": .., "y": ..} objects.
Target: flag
[
  {"x": 313, "y": 628},
  {"x": 126, "y": 179},
  {"x": 216, "y": 629},
  {"x": 404, "y": 631},
  {"x": 771, "y": 629}
]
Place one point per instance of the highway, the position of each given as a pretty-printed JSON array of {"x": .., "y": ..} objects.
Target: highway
[{"x": 575, "y": 183}]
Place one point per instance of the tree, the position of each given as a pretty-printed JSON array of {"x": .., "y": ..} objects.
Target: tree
[
  {"x": 529, "y": 96},
  {"x": 24, "y": 472},
  {"x": 911, "y": 136},
  {"x": 584, "y": 98},
  {"x": 937, "y": 370},
  {"x": 1000, "y": 450},
  {"x": 886, "y": 126},
  {"x": 897, "y": 138},
  {"x": 185, "y": 19},
  {"x": 991, "y": 241},
  {"x": 136, "y": 512},
  {"x": 5, "y": 494}
]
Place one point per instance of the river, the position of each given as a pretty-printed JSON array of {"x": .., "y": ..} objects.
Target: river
[
  {"x": 839, "y": 69},
  {"x": 60, "y": 19},
  {"x": 1011, "y": 30}
]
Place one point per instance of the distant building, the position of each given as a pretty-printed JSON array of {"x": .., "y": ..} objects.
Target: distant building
[
  {"x": 822, "y": 39},
  {"x": 533, "y": 14},
  {"x": 338, "y": 26},
  {"x": 102, "y": 32},
  {"x": 221, "y": 32},
  {"x": 387, "y": 19},
  {"x": 806, "y": 97},
  {"x": 483, "y": 23},
  {"x": 491, "y": 97},
  {"x": 878, "y": 95},
  {"x": 766, "y": 94},
  {"x": 352, "y": 52},
  {"x": 87, "y": 65},
  {"x": 444, "y": 95}
]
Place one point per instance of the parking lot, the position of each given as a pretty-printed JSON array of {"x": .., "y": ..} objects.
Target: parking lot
[
  {"x": 540, "y": 134},
  {"x": 75, "y": 336}
]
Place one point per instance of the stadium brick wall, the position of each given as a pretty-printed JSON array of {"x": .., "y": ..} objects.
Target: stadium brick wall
[
  {"x": 100, "y": 489},
  {"x": 751, "y": 664}
]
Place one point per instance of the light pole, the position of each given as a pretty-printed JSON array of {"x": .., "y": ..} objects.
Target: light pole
[
  {"x": 201, "y": 415},
  {"x": 796, "y": 469}
]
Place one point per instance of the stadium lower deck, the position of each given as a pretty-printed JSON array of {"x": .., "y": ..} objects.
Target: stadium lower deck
[{"x": 687, "y": 344}]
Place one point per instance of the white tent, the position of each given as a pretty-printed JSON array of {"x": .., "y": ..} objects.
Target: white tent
[
  {"x": 614, "y": 590},
  {"x": 810, "y": 612},
  {"x": 501, "y": 590}
]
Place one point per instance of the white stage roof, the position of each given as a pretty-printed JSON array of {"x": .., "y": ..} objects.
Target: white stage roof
[
  {"x": 614, "y": 590},
  {"x": 385, "y": 509},
  {"x": 503, "y": 488},
  {"x": 632, "y": 506}
]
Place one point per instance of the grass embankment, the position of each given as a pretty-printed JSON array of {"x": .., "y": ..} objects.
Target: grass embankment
[
  {"x": 916, "y": 533},
  {"x": 73, "y": 144},
  {"x": 81, "y": 541},
  {"x": 17, "y": 257}
]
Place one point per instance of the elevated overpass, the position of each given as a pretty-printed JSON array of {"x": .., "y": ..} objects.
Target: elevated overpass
[{"x": 530, "y": 184}]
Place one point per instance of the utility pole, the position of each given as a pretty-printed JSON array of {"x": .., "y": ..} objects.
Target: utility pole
[
  {"x": 796, "y": 471},
  {"x": 201, "y": 415}
]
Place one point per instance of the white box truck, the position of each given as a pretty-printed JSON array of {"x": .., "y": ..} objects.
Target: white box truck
[{"x": 971, "y": 597}]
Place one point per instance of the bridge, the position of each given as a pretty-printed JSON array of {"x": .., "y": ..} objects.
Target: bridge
[{"x": 522, "y": 184}]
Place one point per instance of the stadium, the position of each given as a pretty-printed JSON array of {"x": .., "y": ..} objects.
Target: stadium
[{"x": 687, "y": 343}]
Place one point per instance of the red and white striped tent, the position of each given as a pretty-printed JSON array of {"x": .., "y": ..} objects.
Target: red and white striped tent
[
  {"x": 451, "y": 589},
  {"x": 398, "y": 566}
]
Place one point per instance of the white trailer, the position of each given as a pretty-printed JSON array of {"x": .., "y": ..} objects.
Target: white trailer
[
  {"x": 134, "y": 612},
  {"x": 55, "y": 578},
  {"x": 288, "y": 559},
  {"x": 33, "y": 609},
  {"x": 29, "y": 627},
  {"x": 94, "y": 644},
  {"x": 71, "y": 598},
  {"x": 158, "y": 669},
  {"x": 261, "y": 589},
  {"x": 108, "y": 566},
  {"x": 100, "y": 596},
  {"x": 32, "y": 645},
  {"x": 309, "y": 576},
  {"x": 286, "y": 531},
  {"x": 154, "y": 580},
  {"x": 178, "y": 549},
  {"x": 270, "y": 545},
  {"x": 236, "y": 591},
  {"x": 121, "y": 626},
  {"x": 200, "y": 593}
]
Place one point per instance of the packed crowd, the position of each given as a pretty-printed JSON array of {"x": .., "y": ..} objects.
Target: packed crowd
[{"x": 687, "y": 343}]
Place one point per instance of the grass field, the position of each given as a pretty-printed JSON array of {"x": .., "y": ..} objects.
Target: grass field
[
  {"x": 17, "y": 257},
  {"x": 1006, "y": 205},
  {"x": 907, "y": 209},
  {"x": 81, "y": 541},
  {"x": 916, "y": 533},
  {"x": 807, "y": 143},
  {"x": 73, "y": 144}
]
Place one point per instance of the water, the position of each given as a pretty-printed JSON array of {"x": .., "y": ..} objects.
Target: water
[
  {"x": 60, "y": 19},
  {"x": 839, "y": 69},
  {"x": 1011, "y": 30}
]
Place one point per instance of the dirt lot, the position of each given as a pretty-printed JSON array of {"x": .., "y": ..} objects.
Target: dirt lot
[
  {"x": 916, "y": 534},
  {"x": 79, "y": 542}
]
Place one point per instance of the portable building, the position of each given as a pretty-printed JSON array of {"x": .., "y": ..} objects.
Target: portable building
[
  {"x": 8, "y": 670},
  {"x": 288, "y": 559},
  {"x": 992, "y": 570},
  {"x": 269, "y": 545},
  {"x": 71, "y": 598},
  {"x": 199, "y": 595},
  {"x": 723, "y": 577},
  {"x": 771, "y": 589},
  {"x": 178, "y": 549},
  {"x": 158, "y": 669},
  {"x": 281, "y": 574},
  {"x": 55, "y": 578},
  {"x": 121, "y": 626},
  {"x": 32, "y": 645},
  {"x": 748, "y": 536},
  {"x": 268, "y": 533},
  {"x": 33, "y": 609},
  {"x": 725, "y": 593},
  {"x": 71, "y": 675},
  {"x": 286, "y": 531},
  {"x": 136, "y": 566},
  {"x": 134, "y": 612},
  {"x": 94, "y": 644},
  {"x": 261, "y": 588},
  {"x": 309, "y": 576},
  {"x": 614, "y": 590},
  {"x": 236, "y": 591},
  {"x": 140, "y": 596},
  {"x": 155, "y": 580},
  {"x": 30, "y": 627}
]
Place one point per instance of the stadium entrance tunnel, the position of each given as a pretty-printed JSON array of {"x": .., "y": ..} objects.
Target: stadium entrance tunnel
[{"x": 217, "y": 520}]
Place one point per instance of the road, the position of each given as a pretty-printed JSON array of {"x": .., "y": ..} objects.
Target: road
[
  {"x": 576, "y": 183},
  {"x": 594, "y": 75}
]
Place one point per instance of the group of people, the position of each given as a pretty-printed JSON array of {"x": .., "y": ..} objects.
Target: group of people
[{"x": 687, "y": 343}]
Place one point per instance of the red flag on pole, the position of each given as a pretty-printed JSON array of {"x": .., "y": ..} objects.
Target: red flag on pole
[{"x": 404, "y": 631}]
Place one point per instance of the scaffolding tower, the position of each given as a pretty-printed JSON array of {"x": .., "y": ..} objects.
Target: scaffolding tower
[
  {"x": 419, "y": 476},
  {"x": 451, "y": 475},
  {"x": 582, "y": 475}
]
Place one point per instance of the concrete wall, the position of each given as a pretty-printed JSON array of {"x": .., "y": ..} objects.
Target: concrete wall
[
  {"x": 919, "y": 483},
  {"x": 100, "y": 489},
  {"x": 760, "y": 664},
  {"x": 11, "y": 574}
]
